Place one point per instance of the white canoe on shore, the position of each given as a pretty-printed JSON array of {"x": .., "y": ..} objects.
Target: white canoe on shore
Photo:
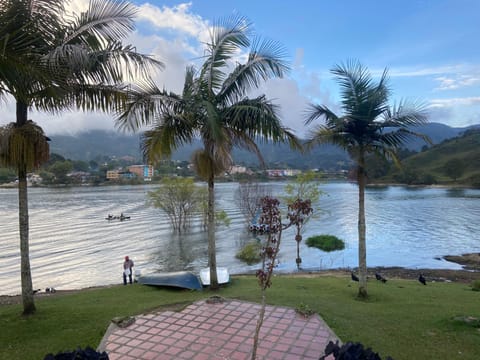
[{"x": 222, "y": 275}]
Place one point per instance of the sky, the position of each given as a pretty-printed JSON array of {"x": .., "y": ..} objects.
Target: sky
[{"x": 430, "y": 48}]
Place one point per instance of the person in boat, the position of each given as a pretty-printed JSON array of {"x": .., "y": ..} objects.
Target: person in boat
[{"x": 127, "y": 270}]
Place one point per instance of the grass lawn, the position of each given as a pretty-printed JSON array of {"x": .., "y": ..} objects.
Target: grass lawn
[{"x": 402, "y": 318}]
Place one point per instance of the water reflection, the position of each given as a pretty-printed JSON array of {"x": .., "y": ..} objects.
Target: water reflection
[{"x": 455, "y": 192}]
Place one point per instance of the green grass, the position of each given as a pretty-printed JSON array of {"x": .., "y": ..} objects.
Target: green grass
[
  {"x": 326, "y": 243},
  {"x": 402, "y": 318}
]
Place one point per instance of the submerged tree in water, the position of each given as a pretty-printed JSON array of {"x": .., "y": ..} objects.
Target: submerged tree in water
[{"x": 180, "y": 199}]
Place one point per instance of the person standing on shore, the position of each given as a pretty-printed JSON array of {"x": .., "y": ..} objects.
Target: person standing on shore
[{"x": 127, "y": 270}]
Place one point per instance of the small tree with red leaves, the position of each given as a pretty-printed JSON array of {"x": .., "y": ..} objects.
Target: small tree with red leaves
[{"x": 272, "y": 219}]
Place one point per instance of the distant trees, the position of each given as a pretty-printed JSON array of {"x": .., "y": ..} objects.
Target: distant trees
[
  {"x": 60, "y": 170},
  {"x": 454, "y": 168},
  {"x": 7, "y": 175},
  {"x": 248, "y": 197}
]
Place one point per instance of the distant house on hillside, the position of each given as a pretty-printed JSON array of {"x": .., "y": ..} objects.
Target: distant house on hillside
[
  {"x": 142, "y": 171},
  {"x": 113, "y": 175},
  {"x": 282, "y": 172}
]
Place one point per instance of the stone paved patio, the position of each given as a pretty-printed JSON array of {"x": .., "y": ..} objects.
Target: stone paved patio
[{"x": 223, "y": 330}]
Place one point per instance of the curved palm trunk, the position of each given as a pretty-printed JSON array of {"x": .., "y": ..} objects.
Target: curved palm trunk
[
  {"x": 212, "y": 256},
  {"x": 362, "y": 248},
  {"x": 26, "y": 275}
]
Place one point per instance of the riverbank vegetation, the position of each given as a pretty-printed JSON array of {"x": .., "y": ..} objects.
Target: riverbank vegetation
[
  {"x": 250, "y": 253},
  {"x": 326, "y": 242},
  {"x": 402, "y": 318}
]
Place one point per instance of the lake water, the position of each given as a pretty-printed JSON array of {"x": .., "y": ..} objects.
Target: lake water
[{"x": 73, "y": 246}]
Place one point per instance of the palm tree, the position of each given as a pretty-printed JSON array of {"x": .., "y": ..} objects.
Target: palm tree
[
  {"x": 368, "y": 126},
  {"x": 214, "y": 107},
  {"x": 51, "y": 62}
]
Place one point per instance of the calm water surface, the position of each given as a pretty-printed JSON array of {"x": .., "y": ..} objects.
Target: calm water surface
[{"x": 73, "y": 246}]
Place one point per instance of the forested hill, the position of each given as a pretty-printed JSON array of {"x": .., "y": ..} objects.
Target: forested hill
[
  {"x": 96, "y": 144},
  {"x": 453, "y": 161}
]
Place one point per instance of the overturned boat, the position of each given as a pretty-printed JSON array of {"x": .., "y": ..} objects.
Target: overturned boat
[
  {"x": 180, "y": 279},
  {"x": 223, "y": 276}
]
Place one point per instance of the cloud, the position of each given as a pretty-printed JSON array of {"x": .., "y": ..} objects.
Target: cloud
[
  {"x": 424, "y": 71},
  {"x": 456, "y": 112},
  {"x": 456, "y": 82},
  {"x": 452, "y": 102},
  {"x": 177, "y": 19}
]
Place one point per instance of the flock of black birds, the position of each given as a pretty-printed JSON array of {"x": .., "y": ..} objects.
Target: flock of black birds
[
  {"x": 47, "y": 290},
  {"x": 381, "y": 278}
]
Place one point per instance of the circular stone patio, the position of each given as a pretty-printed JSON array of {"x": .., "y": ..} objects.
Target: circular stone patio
[{"x": 222, "y": 330}]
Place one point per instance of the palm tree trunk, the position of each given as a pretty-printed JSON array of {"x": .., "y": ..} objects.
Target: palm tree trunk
[
  {"x": 212, "y": 256},
  {"x": 26, "y": 275},
  {"x": 362, "y": 248}
]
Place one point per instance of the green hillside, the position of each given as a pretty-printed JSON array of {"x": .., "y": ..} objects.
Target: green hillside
[{"x": 453, "y": 161}]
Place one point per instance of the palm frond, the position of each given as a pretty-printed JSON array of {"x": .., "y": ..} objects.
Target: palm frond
[
  {"x": 259, "y": 118},
  {"x": 406, "y": 113},
  {"x": 104, "y": 21},
  {"x": 26, "y": 145},
  {"x": 354, "y": 80},
  {"x": 265, "y": 61},
  {"x": 206, "y": 166},
  {"x": 159, "y": 142},
  {"x": 322, "y": 134},
  {"x": 146, "y": 104},
  {"x": 315, "y": 111},
  {"x": 228, "y": 37}
]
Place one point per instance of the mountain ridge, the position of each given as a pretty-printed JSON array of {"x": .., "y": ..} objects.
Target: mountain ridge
[{"x": 95, "y": 144}]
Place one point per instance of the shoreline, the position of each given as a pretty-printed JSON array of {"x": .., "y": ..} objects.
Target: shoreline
[{"x": 390, "y": 273}]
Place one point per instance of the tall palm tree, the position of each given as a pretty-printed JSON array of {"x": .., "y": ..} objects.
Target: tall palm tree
[
  {"x": 51, "y": 62},
  {"x": 214, "y": 107},
  {"x": 368, "y": 126}
]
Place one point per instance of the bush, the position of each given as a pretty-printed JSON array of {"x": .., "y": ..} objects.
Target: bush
[
  {"x": 476, "y": 285},
  {"x": 250, "y": 253},
  {"x": 326, "y": 243}
]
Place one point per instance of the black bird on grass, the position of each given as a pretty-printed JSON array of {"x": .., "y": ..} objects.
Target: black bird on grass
[
  {"x": 422, "y": 279},
  {"x": 354, "y": 277},
  {"x": 379, "y": 277}
]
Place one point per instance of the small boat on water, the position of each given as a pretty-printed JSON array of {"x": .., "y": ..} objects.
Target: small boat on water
[
  {"x": 180, "y": 279},
  {"x": 223, "y": 276},
  {"x": 121, "y": 217}
]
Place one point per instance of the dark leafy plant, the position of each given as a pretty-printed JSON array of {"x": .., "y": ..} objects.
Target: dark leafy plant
[
  {"x": 350, "y": 351},
  {"x": 81, "y": 354}
]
